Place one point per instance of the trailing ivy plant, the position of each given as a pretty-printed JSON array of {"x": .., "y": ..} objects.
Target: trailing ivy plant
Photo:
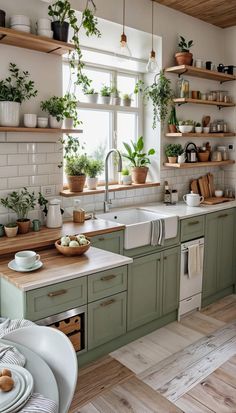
[
  {"x": 61, "y": 11},
  {"x": 160, "y": 93}
]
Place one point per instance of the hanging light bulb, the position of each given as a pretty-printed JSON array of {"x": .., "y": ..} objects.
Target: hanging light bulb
[
  {"x": 124, "y": 48},
  {"x": 152, "y": 65}
]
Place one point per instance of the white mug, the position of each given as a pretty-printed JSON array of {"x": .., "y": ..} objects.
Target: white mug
[
  {"x": 193, "y": 200},
  {"x": 26, "y": 259},
  {"x": 30, "y": 120}
]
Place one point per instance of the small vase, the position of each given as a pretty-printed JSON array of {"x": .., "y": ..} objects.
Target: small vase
[
  {"x": 76, "y": 183},
  {"x": 172, "y": 159},
  {"x": 68, "y": 123},
  {"x": 90, "y": 98},
  {"x": 9, "y": 113},
  {"x": 54, "y": 123},
  {"x": 139, "y": 174},
  {"x": 11, "y": 231},
  {"x": 116, "y": 100},
  {"x": 172, "y": 128},
  {"x": 92, "y": 183},
  {"x": 127, "y": 180},
  {"x": 126, "y": 102},
  {"x": 24, "y": 226},
  {"x": 105, "y": 100}
]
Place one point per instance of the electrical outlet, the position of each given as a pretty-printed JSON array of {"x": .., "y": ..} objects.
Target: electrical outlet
[
  {"x": 48, "y": 191},
  {"x": 231, "y": 147}
]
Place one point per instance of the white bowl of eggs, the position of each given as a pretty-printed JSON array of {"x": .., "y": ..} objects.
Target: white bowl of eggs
[{"x": 70, "y": 245}]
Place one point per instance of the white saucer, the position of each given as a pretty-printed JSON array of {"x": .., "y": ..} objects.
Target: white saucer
[{"x": 12, "y": 265}]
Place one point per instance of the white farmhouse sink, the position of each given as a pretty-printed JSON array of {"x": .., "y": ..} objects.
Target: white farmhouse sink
[{"x": 138, "y": 225}]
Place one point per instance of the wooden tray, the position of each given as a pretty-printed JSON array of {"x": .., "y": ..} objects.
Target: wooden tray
[{"x": 216, "y": 200}]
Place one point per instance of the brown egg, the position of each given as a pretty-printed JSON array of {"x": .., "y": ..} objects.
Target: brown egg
[
  {"x": 6, "y": 383},
  {"x": 6, "y": 372}
]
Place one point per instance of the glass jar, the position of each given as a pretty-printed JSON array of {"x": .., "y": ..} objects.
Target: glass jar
[{"x": 224, "y": 152}]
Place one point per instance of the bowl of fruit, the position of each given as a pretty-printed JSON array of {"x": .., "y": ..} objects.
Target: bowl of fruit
[{"x": 71, "y": 245}]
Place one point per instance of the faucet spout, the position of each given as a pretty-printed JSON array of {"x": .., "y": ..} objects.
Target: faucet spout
[{"x": 107, "y": 201}]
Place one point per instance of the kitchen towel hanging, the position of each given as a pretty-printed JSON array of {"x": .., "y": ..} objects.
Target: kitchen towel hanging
[{"x": 194, "y": 260}]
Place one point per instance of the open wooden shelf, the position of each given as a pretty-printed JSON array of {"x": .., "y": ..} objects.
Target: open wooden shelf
[
  {"x": 181, "y": 101},
  {"x": 200, "y": 135},
  {"x": 39, "y": 130},
  {"x": 202, "y": 73},
  {"x": 198, "y": 164},
  {"x": 33, "y": 42}
]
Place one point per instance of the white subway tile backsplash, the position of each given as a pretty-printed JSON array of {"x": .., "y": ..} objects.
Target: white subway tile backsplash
[
  {"x": 6, "y": 171},
  {"x": 17, "y": 159},
  {"x": 54, "y": 179},
  {"x": 3, "y": 160},
  {"x": 3, "y": 183},
  {"x": 7, "y": 148},
  {"x": 45, "y": 147},
  {"x": 27, "y": 147},
  {"x": 18, "y": 182},
  {"x": 4, "y": 219},
  {"x": 54, "y": 158},
  {"x": 47, "y": 169},
  {"x": 39, "y": 180},
  {"x": 27, "y": 170},
  {"x": 37, "y": 158}
]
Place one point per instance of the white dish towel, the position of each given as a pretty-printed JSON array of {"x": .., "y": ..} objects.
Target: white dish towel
[
  {"x": 157, "y": 232},
  {"x": 194, "y": 260}
]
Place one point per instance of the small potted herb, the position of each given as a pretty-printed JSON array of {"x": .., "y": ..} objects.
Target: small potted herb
[
  {"x": 139, "y": 160},
  {"x": 115, "y": 96},
  {"x": 126, "y": 99},
  {"x": 70, "y": 111},
  {"x": 14, "y": 90},
  {"x": 21, "y": 203},
  {"x": 105, "y": 95},
  {"x": 184, "y": 57},
  {"x": 186, "y": 126},
  {"x": 11, "y": 229},
  {"x": 90, "y": 95},
  {"x": 126, "y": 177},
  {"x": 55, "y": 106},
  {"x": 172, "y": 121},
  {"x": 172, "y": 151},
  {"x": 94, "y": 168},
  {"x": 198, "y": 127},
  {"x": 63, "y": 16}
]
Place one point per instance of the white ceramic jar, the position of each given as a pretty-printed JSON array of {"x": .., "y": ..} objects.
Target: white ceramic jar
[
  {"x": 30, "y": 120},
  {"x": 193, "y": 200},
  {"x": 9, "y": 113}
]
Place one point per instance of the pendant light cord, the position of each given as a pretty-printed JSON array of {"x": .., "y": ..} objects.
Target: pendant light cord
[
  {"x": 123, "y": 16},
  {"x": 152, "y": 22}
]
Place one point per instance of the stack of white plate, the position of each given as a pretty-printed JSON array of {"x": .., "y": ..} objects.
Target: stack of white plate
[
  {"x": 14, "y": 400},
  {"x": 20, "y": 22}
]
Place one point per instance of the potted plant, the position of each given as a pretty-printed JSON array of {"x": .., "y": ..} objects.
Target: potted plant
[
  {"x": 139, "y": 160},
  {"x": 126, "y": 177},
  {"x": 14, "y": 90},
  {"x": 21, "y": 203},
  {"x": 115, "y": 96},
  {"x": 126, "y": 99},
  {"x": 172, "y": 151},
  {"x": 184, "y": 57},
  {"x": 172, "y": 121},
  {"x": 76, "y": 163},
  {"x": 90, "y": 95},
  {"x": 70, "y": 111},
  {"x": 55, "y": 106},
  {"x": 198, "y": 127},
  {"x": 105, "y": 95},
  {"x": 160, "y": 93},
  {"x": 11, "y": 229},
  {"x": 186, "y": 126},
  {"x": 94, "y": 168}
]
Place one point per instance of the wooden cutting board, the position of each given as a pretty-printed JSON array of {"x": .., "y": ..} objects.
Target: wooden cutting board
[
  {"x": 216, "y": 200},
  {"x": 211, "y": 184},
  {"x": 202, "y": 187},
  {"x": 194, "y": 186},
  {"x": 206, "y": 186}
]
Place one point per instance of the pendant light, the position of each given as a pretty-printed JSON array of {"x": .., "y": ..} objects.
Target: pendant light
[
  {"x": 152, "y": 66},
  {"x": 124, "y": 48}
]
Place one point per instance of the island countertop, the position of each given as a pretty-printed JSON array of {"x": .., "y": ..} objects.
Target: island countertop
[{"x": 57, "y": 267}]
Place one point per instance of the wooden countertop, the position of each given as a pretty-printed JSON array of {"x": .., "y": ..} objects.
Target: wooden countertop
[
  {"x": 47, "y": 236},
  {"x": 57, "y": 268}
]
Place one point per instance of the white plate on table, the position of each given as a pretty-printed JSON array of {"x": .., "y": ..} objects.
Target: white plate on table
[
  {"x": 7, "y": 399},
  {"x": 39, "y": 370},
  {"x": 13, "y": 266}
]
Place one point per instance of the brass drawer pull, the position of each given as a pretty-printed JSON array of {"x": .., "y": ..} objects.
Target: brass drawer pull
[
  {"x": 106, "y": 303},
  {"x": 56, "y": 293},
  {"x": 193, "y": 223},
  {"x": 223, "y": 216},
  {"x": 108, "y": 277}
]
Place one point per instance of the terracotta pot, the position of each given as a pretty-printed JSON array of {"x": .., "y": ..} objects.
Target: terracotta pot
[
  {"x": 11, "y": 231},
  {"x": 184, "y": 58},
  {"x": 24, "y": 226},
  {"x": 203, "y": 156},
  {"x": 139, "y": 174},
  {"x": 172, "y": 128},
  {"x": 172, "y": 159},
  {"x": 76, "y": 183}
]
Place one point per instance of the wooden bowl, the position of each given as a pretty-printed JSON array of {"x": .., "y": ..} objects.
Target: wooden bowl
[
  {"x": 203, "y": 156},
  {"x": 72, "y": 251}
]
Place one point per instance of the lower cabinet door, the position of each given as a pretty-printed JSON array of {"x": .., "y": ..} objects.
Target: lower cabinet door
[
  {"x": 226, "y": 249},
  {"x": 106, "y": 319},
  {"x": 211, "y": 251},
  {"x": 144, "y": 290},
  {"x": 112, "y": 242},
  {"x": 171, "y": 275}
]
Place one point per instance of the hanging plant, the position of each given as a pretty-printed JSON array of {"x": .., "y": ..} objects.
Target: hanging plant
[
  {"x": 160, "y": 93},
  {"x": 62, "y": 13}
]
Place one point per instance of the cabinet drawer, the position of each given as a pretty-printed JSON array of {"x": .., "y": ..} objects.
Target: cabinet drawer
[
  {"x": 192, "y": 228},
  {"x": 56, "y": 298},
  {"x": 106, "y": 319},
  {"x": 107, "y": 283},
  {"x": 112, "y": 242}
]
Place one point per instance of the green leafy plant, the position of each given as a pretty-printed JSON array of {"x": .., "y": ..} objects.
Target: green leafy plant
[
  {"x": 125, "y": 172},
  {"x": 55, "y": 106},
  {"x": 42, "y": 201},
  {"x": 17, "y": 87},
  {"x": 135, "y": 153},
  {"x": 186, "y": 122},
  {"x": 76, "y": 162},
  {"x": 11, "y": 225},
  {"x": 70, "y": 108},
  {"x": 61, "y": 11},
  {"x": 160, "y": 93},
  {"x": 20, "y": 202},
  {"x": 172, "y": 118},
  {"x": 198, "y": 124},
  {"x": 115, "y": 92},
  {"x": 94, "y": 168},
  {"x": 173, "y": 150},
  {"x": 184, "y": 45},
  {"x": 105, "y": 91},
  {"x": 90, "y": 91}
]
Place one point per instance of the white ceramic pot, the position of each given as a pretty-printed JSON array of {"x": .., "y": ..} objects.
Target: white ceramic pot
[
  {"x": 30, "y": 120},
  {"x": 11, "y": 231},
  {"x": 206, "y": 129},
  {"x": 126, "y": 179},
  {"x": 42, "y": 122},
  {"x": 198, "y": 129},
  {"x": 9, "y": 113},
  {"x": 185, "y": 128},
  {"x": 45, "y": 33},
  {"x": 54, "y": 123},
  {"x": 181, "y": 158},
  {"x": 193, "y": 200},
  {"x": 92, "y": 183},
  {"x": 105, "y": 100},
  {"x": 68, "y": 123},
  {"x": 89, "y": 98},
  {"x": 43, "y": 24},
  {"x": 126, "y": 102},
  {"x": 218, "y": 193}
]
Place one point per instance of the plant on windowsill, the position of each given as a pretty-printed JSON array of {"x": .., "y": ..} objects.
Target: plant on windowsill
[
  {"x": 172, "y": 151},
  {"x": 14, "y": 90},
  {"x": 115, "y": 96},
  {"x": 11, "y": 229},
  {"x": 64, "y": 17},
  {"x": 126, "y": 99},
  {"x": 76, "y": 163},
  {"x": 105, "y": 95},
  {"x": 94, "y": 168},
  {"x": 126, "y": 177},
  {"x": 160, "y": 93},
  {"x": 90, "y": 95},
  {"x": 70, "y": 111},
  {"x": 21, "y": 203},
  {"x": 184, "y": 57},
  {"x": 139, "y": 160}
]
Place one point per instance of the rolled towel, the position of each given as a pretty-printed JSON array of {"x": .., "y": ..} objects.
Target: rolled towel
[
  {"x": 7, "y": 325},
  {"x": 39, "y": 404},
  {"x": 10, "y": 355}
]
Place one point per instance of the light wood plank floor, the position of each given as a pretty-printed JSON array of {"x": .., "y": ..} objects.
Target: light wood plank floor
[{"x": 183, "y": 367}]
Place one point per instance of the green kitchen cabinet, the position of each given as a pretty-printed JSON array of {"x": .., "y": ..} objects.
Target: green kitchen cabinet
[
  {"x": 113, "y": 242},
  {"x": 171, "y": 273},
  {"x": 219, "y": 254},
  {"x": 106, "y": 319}
]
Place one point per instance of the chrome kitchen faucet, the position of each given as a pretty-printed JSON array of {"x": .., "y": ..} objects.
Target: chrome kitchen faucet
[{"x": 107, "y": 201}]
